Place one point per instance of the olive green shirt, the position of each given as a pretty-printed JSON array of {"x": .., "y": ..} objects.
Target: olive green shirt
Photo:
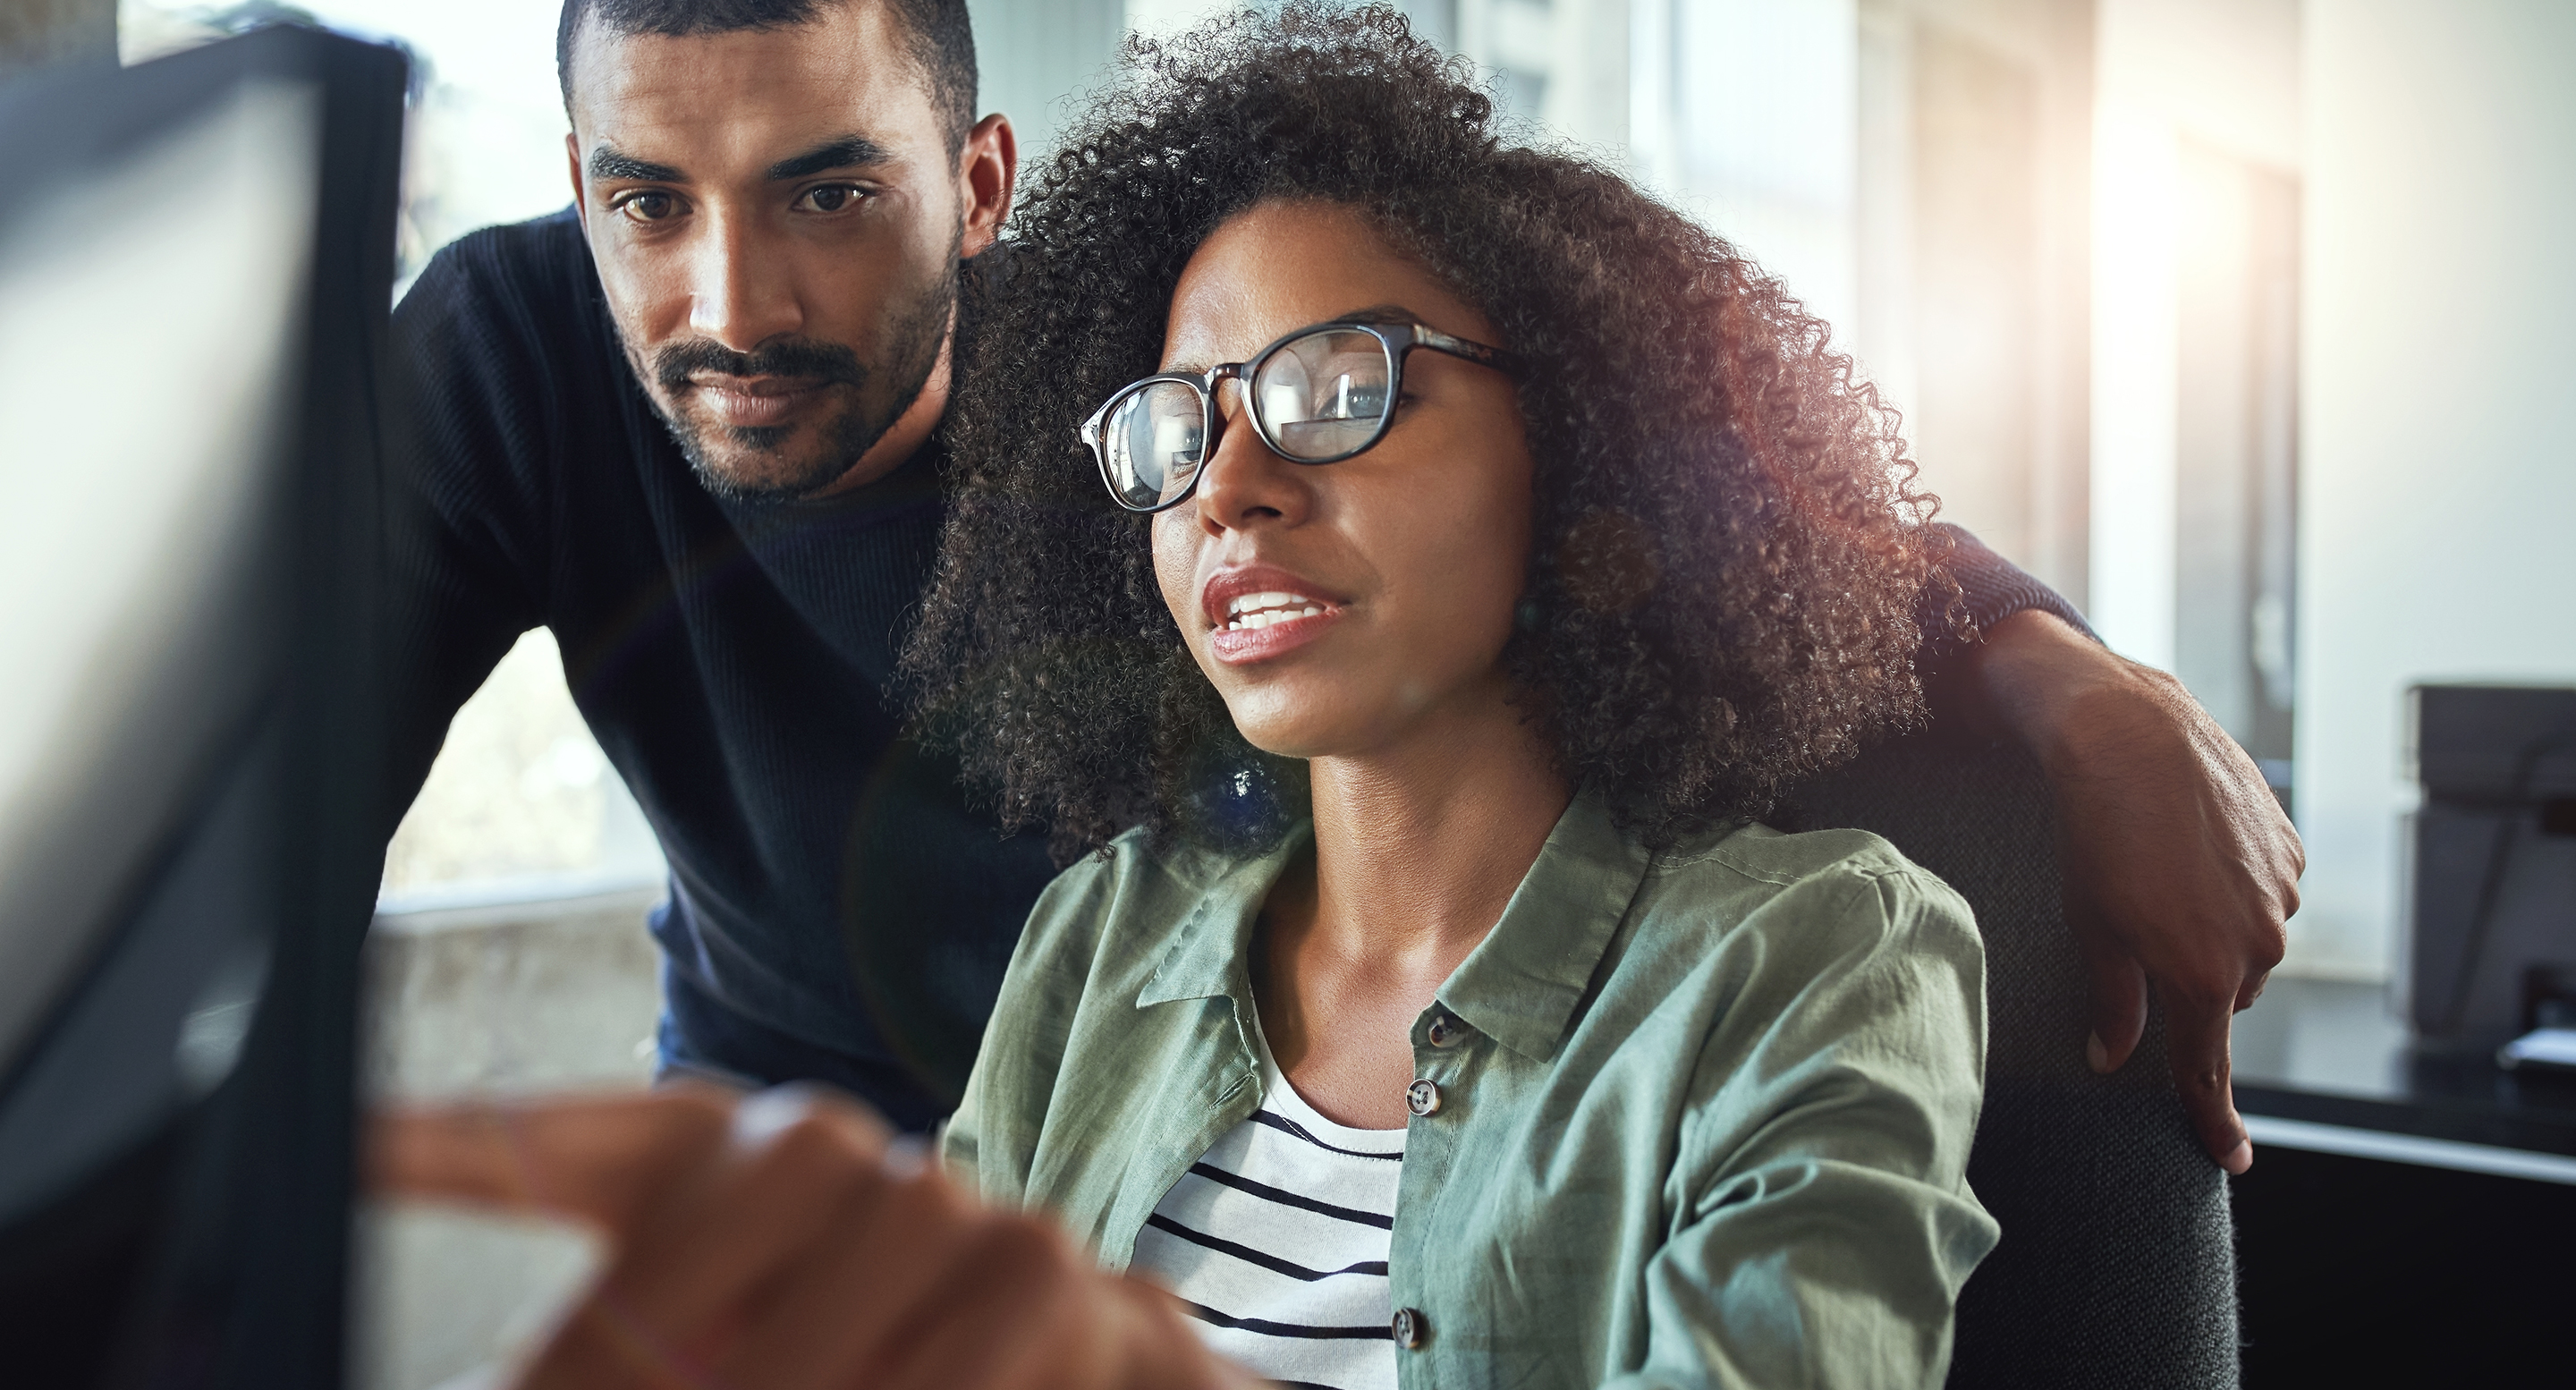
[{"x": 1706, "y": 1122}]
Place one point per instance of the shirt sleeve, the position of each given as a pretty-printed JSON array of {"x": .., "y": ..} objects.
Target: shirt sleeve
[
  {"x": 464, "y": 524},
  {"x": 1826, "y": 1226},
  {"x": 1991, "y": 589}
]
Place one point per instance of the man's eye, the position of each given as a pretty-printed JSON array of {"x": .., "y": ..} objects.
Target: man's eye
[
  {"x": 832, "y": 197},
  {"x": 649, "y": 206}
]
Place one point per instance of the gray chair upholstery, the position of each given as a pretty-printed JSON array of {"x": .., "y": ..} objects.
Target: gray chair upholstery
[{"x": 2116, "y": 1267}]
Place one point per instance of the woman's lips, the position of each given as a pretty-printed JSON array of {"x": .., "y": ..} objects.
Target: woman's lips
[
  {"x": 1262, "y": 611},
  {"x": 755, "y": 402},
  {"x": 1236, "y": 646}
]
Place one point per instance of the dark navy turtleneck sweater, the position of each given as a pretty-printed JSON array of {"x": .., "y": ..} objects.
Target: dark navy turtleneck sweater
[{"x": 838, "y": 912}]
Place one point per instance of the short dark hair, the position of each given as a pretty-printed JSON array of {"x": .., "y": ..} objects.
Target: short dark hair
[
  {"x": 943, "y": 39},
  {"x": 1729, "y": 542}
]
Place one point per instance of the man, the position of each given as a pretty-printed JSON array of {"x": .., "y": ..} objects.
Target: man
[{"x": 692, "y": 425}]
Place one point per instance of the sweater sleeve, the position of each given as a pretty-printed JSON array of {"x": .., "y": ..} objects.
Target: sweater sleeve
[
  {"x": 465, "y": 452},
  {"x": 1991, "y": 589}
]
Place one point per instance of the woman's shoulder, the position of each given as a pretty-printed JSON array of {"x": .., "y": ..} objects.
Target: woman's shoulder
[
  {"x": 1097, "y": 945},
  {"x": 1810, "y": 893},
  {"x": 1122, "y": 898},
  {"x": 1825, "y": 958}
]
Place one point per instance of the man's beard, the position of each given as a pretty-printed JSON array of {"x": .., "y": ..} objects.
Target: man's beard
[{"x": 912, "y": 353}]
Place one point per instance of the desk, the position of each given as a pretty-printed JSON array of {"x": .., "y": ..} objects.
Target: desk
[
  {"x": 2410, "y": 1211},
  {"x": 2328, "y": 1067}
]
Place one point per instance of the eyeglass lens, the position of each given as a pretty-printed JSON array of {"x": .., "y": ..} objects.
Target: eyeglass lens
[
  {"x": 1321, "y": 396},
  {"x": 1153, "y": 440}
]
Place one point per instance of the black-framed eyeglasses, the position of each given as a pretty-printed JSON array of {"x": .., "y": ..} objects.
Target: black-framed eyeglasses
[{"x": 1319, "y": 395}]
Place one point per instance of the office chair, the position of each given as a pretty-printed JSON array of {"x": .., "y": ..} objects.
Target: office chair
[{"x": 2116, "y": 1268}]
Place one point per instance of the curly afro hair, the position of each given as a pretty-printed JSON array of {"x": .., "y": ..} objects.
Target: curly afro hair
[{"x": 1730, "y": 548}]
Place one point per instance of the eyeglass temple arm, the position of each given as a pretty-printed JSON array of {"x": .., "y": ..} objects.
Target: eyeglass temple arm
[{"x": 1438, "y": 341}]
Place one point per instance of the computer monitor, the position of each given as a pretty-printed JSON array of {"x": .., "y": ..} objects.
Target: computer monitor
[
  {"x": 2490, "y": 861},
  {"x": 195, "y": 270}
]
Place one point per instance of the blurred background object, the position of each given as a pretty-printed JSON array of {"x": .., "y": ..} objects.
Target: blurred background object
[{"x": 48, "y": 33}]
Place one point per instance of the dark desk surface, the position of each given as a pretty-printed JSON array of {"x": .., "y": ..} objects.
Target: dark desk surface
[{"x": 2323, "y": 1055}]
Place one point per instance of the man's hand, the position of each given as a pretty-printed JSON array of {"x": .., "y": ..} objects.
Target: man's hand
[
  {"x": 785, "y": 1240},
  {"x": 2180, "y": 868}
]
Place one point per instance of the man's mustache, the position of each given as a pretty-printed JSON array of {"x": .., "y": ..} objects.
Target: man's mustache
[{"x": 803, "y": 358}]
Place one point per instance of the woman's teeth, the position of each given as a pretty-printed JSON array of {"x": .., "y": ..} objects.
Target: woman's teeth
[{"x": 1250, "y": 611}]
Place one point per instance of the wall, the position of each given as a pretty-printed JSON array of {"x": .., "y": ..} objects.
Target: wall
[
  {"x": 517, "y": 999},
  {"x": 2441, "y": 344},
  {"x": 1035, "y": 58}
]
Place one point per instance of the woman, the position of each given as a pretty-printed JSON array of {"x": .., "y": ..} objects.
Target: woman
[{"x": 1481, "y": 546}]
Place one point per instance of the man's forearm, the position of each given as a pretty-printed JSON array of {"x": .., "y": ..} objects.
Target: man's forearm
[
  {"x": 2180, "y": 869},
  {"x": 2033, "y": 677}
]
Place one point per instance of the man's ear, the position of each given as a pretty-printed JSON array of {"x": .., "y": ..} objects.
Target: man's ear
[
  {"x": 572, "y": 164},
  {"x": 986, "y": 169}
]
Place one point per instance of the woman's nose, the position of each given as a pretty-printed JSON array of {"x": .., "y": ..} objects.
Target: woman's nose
[{"x": 1244, "y": 481}]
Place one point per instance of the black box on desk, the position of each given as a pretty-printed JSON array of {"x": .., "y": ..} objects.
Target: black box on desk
[{"x": 2490, "y": 858}]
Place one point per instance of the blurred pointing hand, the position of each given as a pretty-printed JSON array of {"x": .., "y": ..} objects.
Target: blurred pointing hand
[{"x": 784, "y": 1241}]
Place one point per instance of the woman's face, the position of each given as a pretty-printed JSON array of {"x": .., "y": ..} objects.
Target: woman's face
[{"x": 1409, "y": 556}]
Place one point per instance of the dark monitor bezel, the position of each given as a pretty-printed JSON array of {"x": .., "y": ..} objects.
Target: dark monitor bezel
[{"x": 215, "y": 1252}]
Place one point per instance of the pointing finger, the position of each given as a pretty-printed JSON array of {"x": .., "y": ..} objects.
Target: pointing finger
[{"x": 599, "y": 1159}]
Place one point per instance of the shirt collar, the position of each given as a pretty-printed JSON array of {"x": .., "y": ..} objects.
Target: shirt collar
[
  {"x": 1209, "y": 953},
  {"x": 1521, "y": 984}
]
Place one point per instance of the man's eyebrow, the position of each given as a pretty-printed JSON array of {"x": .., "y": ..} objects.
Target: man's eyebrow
[
  {"x": 606, "y": 162},
  {"x": 845, "y": 152}
]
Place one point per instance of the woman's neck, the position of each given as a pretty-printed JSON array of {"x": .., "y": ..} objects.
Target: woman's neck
[{"x": 1419, "y": 846}]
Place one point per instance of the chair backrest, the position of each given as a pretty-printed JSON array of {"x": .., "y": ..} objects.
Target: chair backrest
[{"x": 2116, "y": 1267}]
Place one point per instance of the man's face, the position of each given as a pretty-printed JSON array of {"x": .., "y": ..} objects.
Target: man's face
[{"x": 777, "y": 222}]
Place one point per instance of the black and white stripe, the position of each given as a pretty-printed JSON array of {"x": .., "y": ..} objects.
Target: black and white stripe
[{"x": 1277, "y": 1240}]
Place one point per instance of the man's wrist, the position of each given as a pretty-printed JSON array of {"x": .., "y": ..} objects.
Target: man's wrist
[{"x": 2038, "y": 677}]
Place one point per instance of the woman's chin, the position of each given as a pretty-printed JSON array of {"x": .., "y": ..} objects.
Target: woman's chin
[
  {"x": 1285, "y": 743},
  {"x": 1283, "y": 726}
]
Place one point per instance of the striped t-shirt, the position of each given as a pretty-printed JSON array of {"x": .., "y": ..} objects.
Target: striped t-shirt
[{"x": 1277, "y": 1238}]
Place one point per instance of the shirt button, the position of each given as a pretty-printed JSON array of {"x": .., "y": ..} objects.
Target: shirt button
[
  {"x": 1422, "y": 1098},
  {"x": 1411, "y": 1329},
  {"x": 1445, "y": 1030}
]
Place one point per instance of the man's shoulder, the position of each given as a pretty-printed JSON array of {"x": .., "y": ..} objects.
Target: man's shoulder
[
  {"x": 537, "y": 274},
  {"x": 508, "y": 381}
]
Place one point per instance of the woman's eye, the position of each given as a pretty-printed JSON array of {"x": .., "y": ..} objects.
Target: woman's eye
[
  {"x": 1349, "y": 399},
  {"x": 649, "y": 206},
  {"x": 832, "y": 197}
]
